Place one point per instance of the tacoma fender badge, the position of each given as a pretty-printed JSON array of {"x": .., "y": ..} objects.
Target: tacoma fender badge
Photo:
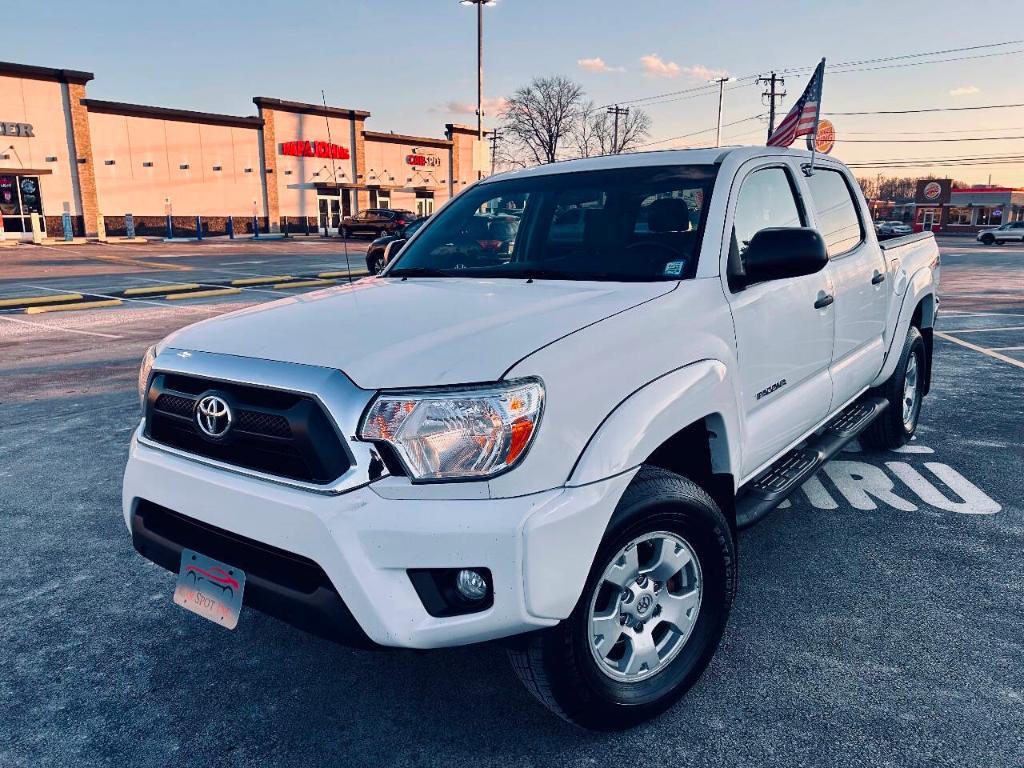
[{"x": 768, "y": 390}]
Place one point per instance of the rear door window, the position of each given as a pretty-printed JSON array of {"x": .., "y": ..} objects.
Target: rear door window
[{"x": 835, "y": 211}]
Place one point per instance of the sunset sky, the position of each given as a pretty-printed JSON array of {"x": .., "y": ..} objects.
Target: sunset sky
[{"x": 412, "y": 63}]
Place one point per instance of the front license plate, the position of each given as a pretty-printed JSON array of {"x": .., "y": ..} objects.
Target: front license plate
[{"x": 210, "y": 588}]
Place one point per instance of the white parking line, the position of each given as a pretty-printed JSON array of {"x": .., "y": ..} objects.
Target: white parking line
[
  {"x": 49, "y": 327},
  {"x": 976, "y": 348},
  {"x": 1006, "y": 349},
  {"x": 985, "y": 330}
]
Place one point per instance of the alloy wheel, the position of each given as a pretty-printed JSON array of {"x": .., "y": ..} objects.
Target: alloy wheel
[{"x": 645, "y": 606}]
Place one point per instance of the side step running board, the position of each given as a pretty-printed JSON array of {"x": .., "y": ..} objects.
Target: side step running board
[{"x": 769, "y": 489}]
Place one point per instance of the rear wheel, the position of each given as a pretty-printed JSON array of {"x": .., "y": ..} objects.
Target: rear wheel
[
  {"x": 904, "y": 390},
  {"x": 651, "y": 614}
]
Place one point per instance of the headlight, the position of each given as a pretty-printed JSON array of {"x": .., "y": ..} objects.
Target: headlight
[
  {"x": 466, "y": 433},
  {"x": 144, "y": 370}
]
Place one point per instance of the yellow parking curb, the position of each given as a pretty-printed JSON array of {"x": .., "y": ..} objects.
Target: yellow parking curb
[
  {"x": 19, "y": 301},
  {"x": 261, "y": 280},
  {"x": 303, "y": 284},
  {"x": 169, "y": 288},
  {"x": 204, "y": 294},
  {"x": 336, "y": 274},
  {"x": 76, "y": 305}
]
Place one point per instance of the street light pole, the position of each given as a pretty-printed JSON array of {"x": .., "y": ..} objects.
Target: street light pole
[
  {"x": 479, "y": 62},
  {"x": 721, "y": 90}
]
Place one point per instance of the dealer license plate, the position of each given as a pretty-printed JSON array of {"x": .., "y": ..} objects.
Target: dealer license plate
[{"x": 210, "y": 588}]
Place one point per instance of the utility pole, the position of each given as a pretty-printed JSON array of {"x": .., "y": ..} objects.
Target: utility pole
[
  {"x": 721, "y": 91},
  {"x": 772, "y": 92},
  {"x": 495, "y": 137},
  {"x": 617, "y": 110}
]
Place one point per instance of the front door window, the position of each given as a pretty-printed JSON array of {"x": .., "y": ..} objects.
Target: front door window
[{"x": 20, "y": 197}]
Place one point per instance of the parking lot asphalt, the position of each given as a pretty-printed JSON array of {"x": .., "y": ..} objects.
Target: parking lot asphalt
[{"x": 878, "y": 621}]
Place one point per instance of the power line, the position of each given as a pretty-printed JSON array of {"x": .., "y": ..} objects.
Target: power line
[
  {"x": 697, "y": 133},
  {"x": 708, "y": 88},
  {"x": 928, "y": 141},
  {"x": 930, "y": 109}
]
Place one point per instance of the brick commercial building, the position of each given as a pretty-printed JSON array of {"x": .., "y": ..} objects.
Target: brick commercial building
[{"x": 290, "y": 165}]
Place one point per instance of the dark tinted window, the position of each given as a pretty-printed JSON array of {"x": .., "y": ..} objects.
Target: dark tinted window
[
  {"x": 835, "y": 210},
  {"x": 766, "y": 200},
  {"x": 624, "y": 224}
]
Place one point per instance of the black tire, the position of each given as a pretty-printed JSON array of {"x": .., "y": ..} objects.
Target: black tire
[
  {"x": 988, "y": 239},
  {"x": 556, "y": 665},
  {"x": 382, "y": 233},
  {"x": 376, "y": 265},
  {"x": 890, "y": 430}
]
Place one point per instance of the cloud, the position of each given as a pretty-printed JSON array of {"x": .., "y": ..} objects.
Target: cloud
[
  {"x": 492, "y": 107},
  {"x": 655, "y": 66},
  {"x": 965, "y": 90},
  {"x": 597, "y": 64},
  {"x": 699, "y": 72}
]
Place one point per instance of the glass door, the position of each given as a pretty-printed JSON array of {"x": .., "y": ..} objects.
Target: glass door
[
  {"x": 927, "y": 220},
  {"x": 20, "y": 197},
  {"x": 330, "y": 215}
]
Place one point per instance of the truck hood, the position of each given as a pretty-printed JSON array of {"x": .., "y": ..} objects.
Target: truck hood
[{"x": 388, "y": 333}]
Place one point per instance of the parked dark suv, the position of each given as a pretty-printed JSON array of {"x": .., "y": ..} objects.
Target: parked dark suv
[
  {"x": 377, "y": 222},
  {"x": 383, "y": 249}
]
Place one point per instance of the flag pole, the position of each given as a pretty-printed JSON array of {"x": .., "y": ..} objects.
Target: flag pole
[{"x": 817, "y": 116}]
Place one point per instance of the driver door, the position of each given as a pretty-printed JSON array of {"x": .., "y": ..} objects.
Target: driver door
[{"x": 784, "y": 328}]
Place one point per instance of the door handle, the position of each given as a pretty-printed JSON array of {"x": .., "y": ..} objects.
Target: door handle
[
  {"x": 824, "y": 299},
  {"x": 878, "y": 277}
]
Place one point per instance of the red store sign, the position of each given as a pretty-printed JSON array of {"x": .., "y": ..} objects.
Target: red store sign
[
  {"x": 422, "y": 161},
  {"x": 314, "y": 149}
]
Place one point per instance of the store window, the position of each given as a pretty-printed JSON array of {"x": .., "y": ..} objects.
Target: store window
[
  {"x": 988, "y": 216},
  {"x": 959, "y": 216},
  {"x": 383, "y": 200}
]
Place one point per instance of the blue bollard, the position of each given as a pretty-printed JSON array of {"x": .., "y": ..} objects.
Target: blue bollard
[
  {"x": 170, "y": 228},
  {"x": 231, "y": 227},
  {"x": 287, "y": 228},
  {"x": 255, "y": 227},
  {"x": 199, "y": 228},
  {"x": 306, "y": 219}
]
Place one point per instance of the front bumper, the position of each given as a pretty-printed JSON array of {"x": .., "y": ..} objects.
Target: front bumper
[{"x": 538, "y": 548}]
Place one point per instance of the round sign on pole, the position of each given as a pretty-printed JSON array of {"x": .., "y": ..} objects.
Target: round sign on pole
[{"x": 826, "y": 137}]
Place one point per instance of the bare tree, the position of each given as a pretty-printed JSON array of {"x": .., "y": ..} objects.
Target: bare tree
[
  {"x": 634, "y": 127},
  {"x": 541, "y": 117}
]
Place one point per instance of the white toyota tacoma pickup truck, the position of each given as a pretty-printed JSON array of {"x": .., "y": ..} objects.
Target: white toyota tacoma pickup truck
[{"x": 544, "y": 422}]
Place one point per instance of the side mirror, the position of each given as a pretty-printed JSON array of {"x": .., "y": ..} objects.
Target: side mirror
[{"x": 779, "y": 252}]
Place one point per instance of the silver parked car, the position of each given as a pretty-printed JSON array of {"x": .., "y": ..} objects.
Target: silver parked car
[{"x": 1008, "y": 233}]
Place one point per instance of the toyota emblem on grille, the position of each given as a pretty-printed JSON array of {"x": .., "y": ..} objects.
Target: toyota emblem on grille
[{"x": 213, "y": 416}]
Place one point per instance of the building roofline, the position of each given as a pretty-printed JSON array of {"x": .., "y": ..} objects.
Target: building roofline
[
  {"x": 166, "y": 113},
  {"x": 985, "y": 190},
  {"x": 45, "y": 73},
  {"x": 401, "y": 138},
  {"x": 311, "y": 109}
]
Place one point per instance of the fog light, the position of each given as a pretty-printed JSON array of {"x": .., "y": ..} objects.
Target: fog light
[{"x": 471, "y": 585}]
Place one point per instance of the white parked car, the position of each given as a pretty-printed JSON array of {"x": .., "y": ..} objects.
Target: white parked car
[
  {"x": 895, "y": 229},
  {"x": 1008, "y": 233},
  {"x": 548, "y": 439}
]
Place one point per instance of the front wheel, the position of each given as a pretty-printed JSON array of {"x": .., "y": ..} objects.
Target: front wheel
[
  {"x": 651, "y": 614},
  {"x": 988, "y": 239},
  {"x": 904, "y": 390}
]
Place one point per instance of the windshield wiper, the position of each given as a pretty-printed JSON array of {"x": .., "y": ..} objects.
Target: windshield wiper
[{"x": 418, "y": 272}]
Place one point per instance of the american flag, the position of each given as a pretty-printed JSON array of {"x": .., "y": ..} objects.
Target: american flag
[{"x": 803, "y": 117}]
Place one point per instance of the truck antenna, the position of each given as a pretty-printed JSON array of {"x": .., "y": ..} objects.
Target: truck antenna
[{"x": 334, "y": 175}]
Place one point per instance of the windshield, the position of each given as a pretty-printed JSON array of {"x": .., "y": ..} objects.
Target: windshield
[{"x": 624, "y": 224}]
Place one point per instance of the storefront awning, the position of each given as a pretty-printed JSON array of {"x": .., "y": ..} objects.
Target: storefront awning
[{"x": 25, "y": 171}]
